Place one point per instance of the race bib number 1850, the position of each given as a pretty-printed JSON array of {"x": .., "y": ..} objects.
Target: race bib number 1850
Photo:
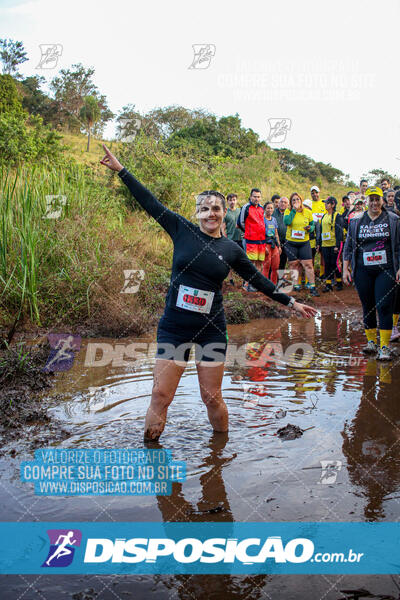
[{"x": 194, "y": 299}]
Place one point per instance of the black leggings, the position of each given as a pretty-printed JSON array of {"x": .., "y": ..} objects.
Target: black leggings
[
  {"x": 283, "y": 258},
  {"x": 376, "y": 291},
  {"x": 396, "y": 304},
  {"x": 314, "y": 252},
  {"x": 330, "y": 258}
]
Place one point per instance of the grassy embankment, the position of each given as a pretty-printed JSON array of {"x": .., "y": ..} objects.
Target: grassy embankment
[{"x": 67, "y": 273}]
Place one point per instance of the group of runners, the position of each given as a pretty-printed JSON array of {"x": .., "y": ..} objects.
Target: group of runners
[
  {"x": 205, "y": 254},
  {"x": 357, "y": 242}
]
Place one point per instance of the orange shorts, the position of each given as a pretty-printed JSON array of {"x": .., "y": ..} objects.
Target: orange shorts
[{"x": 255, "y": 251}]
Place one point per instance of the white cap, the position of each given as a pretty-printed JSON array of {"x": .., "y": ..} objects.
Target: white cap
[
  {"x": 314, "y": 187},
  {"x": 308, "y": 203}
]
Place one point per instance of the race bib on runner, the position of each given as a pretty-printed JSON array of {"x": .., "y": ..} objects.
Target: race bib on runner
[
  {"x": 194, "y": 299},
  {"x": 326, "y": 235},
  {"x": 375, "y": 258},
  {"x": 299, "y": 234}
]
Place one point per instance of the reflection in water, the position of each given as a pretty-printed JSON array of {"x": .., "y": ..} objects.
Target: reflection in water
[
  {"x": 371, "y": 440},
  {"x": 106, "y": 406},
  {"x": 348, "y": 407},
  {"x": 214, "y": 500},
  {"x": 213, "y": 506}
]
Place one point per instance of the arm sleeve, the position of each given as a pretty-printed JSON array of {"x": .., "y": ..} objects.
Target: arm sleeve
[
  {"x": 339, "y": 230},
  {"x": 318, "y": 230},
  {"x": 287, "y": 219},
  {"x": 245, "y": 268},
  {"x": 238, "y": 222},
  {"x": 312, "y": 226},
  {"x": 397, "y": 239},
  {"x": 169, "y": 220},
  {"x": 348, "y": 246},
  {"x": 397, "y": 200}
]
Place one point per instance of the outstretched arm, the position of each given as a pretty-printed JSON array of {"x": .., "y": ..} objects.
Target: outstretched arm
[
  {"x": 245, "y": 268},
  {"x": 168, "y": 219}
]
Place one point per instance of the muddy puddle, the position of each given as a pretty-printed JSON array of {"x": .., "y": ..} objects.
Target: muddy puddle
[{"x": 344, "y": 465}]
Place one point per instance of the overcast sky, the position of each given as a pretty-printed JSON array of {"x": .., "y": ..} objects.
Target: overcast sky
[{"x": 328, "y": 67}]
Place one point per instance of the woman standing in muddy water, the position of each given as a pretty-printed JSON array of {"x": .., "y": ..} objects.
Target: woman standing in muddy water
[{"x": 194, "y": 311}]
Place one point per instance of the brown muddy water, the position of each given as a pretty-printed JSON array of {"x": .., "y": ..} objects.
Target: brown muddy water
[{"x": 347, "y": 406}]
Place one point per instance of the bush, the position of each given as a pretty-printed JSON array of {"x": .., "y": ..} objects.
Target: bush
[
  {"x": 26, "y": 139},
  {"x": 10, "y": 100}
]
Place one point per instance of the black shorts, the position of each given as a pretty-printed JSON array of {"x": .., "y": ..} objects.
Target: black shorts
[
  {"x": 298, "y": 250},
  {"x": 177, "y": 333}
]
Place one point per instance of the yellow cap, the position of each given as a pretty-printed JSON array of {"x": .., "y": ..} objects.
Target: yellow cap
[{"x": 374, "y": 191}]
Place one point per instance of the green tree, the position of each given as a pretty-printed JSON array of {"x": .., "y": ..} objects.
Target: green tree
[
  {"x": 105, "y": 115},
  {"x": 331, "y": 174},
  {"x": 224, "y": 137},
  {"x": 170, "y": 119},
  {"x": 376, "y": 176},
  {"x": 35, "y": 101},
  {"x": 304, "y": 166},
  {"x": 129, "y": 122},
  {"x": 70, "y": 89},
  {"x": 25, "y": 139},
  {"x": 90, "y": 113},
  {"x": 12, "y": 54},
  {"x": 10, "y": 99}
]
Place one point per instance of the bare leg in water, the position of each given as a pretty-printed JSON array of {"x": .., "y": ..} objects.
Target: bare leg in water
[
  {"x": 167, "y": 374},
  {"x": 210, "y": 381}
]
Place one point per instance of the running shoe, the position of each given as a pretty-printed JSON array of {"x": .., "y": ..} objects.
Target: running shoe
[
  {"x": 308, "y": 285},
  {"x": 384, "y": 353},
  {"x": 314, "y": 291},
  {"x": 328, "y": 288},
  {"x": 297, "y": 288},
  {"x": 395, "y": 334},
  {"x": 370, "y": 348},
  {"x": 339, "y": 286},
  {"x": 251, "y": 288}
]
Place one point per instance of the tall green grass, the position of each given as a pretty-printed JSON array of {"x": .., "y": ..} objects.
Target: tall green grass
[
  {"x": 47, "y": 264},
  {"x": 50, "y": 268}
]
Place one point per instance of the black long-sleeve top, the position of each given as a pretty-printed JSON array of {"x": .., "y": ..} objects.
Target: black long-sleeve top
[{"x": 199, "y": 260}]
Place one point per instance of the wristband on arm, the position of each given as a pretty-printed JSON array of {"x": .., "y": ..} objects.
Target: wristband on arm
[{"x": 291, "y": 302}]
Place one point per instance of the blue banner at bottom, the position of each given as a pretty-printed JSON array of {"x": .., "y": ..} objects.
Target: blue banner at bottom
[{"x": 199, "y": 548}]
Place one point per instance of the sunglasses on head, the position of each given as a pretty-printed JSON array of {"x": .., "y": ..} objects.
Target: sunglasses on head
[{"x": 212, "y": 193}]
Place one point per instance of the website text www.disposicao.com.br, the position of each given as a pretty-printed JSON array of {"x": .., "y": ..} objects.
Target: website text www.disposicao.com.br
[{"x": 212, "y": 550}]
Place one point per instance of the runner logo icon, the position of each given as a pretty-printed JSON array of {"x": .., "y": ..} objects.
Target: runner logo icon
[{"x": 62, "y": 547}]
